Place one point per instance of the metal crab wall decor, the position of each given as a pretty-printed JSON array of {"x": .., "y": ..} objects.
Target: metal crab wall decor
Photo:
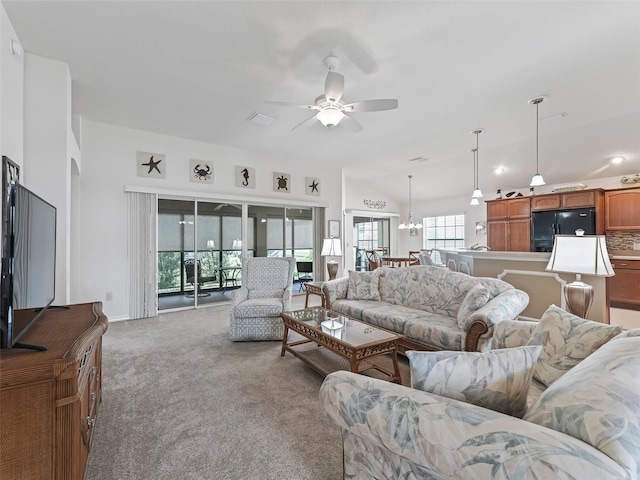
[{"x": 201, "y": 171}]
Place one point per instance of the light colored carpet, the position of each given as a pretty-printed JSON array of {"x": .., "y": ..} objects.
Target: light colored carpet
[{"x": 181, "y": 401}]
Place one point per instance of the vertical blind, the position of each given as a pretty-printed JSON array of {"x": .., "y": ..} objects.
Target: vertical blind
[{"x": 142, "y": 251}]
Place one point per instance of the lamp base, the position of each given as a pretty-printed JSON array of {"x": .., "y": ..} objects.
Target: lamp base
[
  {"x": 332, "y": 268},
  {"x": 579, "y": 297}
]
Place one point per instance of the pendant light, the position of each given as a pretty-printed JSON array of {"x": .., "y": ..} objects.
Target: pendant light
[
  {"x": 477, "y": 193},
  {"x": 410, "y": 225},
  {"x": 474, "y": 199},
  {"x": 537, "y": 179}
]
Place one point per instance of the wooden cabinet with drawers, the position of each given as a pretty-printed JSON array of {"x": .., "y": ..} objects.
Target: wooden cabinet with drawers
[
  {"x": 622, "y": 209},
  {"x": 49, "y": 399},
  {"x": 509, "y": 224},
  {"x": 624, "y": 286}
]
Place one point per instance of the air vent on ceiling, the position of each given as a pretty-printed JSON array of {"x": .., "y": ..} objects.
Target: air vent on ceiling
[
  {"x": 261, "y": 119},
  {"x": 419, "y": 159},
  {"x": 551, "y": 117}
]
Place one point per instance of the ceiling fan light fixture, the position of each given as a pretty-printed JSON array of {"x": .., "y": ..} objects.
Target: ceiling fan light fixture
[{"x": 330, "y": 117}]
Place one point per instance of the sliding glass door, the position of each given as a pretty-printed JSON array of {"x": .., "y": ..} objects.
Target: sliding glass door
[
  {"x": 369, "y": 233},
  {"x": 201, "y": 245},
  {"x": 199, "y": 252}
]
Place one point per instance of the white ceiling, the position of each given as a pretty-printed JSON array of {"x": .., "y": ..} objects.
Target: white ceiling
[{"x": 199, "y": 69}]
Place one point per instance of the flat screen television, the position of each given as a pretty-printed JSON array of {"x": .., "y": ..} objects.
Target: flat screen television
[{"x": 28, "y": 264}]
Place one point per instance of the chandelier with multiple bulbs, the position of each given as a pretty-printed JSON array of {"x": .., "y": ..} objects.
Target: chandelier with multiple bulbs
[{"x": 410, "y": 225}]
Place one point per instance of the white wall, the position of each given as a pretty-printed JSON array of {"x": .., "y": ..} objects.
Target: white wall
[
  {"x": 11, "y": 93},
  {"x": 46, "y": 161},
  {"x": 109, "y": 163}
]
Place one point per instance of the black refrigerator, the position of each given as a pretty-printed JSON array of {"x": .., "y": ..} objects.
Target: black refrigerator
[{"x": 565, "y": 222}]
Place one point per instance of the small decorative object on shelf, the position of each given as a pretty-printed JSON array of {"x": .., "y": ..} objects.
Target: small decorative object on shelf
[
  {"x": 532, "y": 191},
  {"x": 569, "y": 188},
  {"x": 377, "y": 204},
  {"x": 498, "y": 194},
  {"x": 630, "y": 179}
]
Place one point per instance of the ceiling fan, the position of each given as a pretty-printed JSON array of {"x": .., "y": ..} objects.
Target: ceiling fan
[{"x": 331, "y": 109}]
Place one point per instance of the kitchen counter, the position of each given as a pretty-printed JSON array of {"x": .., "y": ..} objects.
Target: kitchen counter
[
  {"x": 496, "y": 255},
  {"x": 624, "y": 254},
  {"x": 527, "y": 271}
]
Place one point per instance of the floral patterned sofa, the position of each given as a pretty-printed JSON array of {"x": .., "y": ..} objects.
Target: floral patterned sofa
[
  {"x": 433, "y": 307},
  {"x": 581, "y": 417}
]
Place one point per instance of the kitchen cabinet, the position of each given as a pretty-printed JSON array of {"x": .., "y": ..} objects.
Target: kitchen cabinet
[
  {"x": 622, "y": 209},
  {"x": 576, "y": 199},
  {"x": 509, "y": 235},
  {"x": 519, "y": 207},
  {"x": 624, "y": 287},
  {"x": 509, "y": 224}
]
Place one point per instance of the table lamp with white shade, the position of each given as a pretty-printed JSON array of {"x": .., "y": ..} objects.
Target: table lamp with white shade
[
  {"x": 331, "y": 247},
  {"x": 582, "y": 255}
]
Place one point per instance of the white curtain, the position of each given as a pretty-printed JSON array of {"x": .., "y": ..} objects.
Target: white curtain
[{"x": 143, "y": 254}]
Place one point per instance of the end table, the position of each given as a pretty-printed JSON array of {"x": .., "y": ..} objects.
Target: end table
[{"x": 314, "y": 288}]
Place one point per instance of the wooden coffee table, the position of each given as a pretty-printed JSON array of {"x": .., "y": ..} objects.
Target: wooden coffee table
[{"x": 333, "y": 341}]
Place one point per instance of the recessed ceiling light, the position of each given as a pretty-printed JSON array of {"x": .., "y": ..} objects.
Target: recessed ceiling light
[
  {"x": 261, "y": 119},
  {"x": 498, "y": 170},
  {"x": 418, "y": 159},
  {"x": 616, "y": 160}
]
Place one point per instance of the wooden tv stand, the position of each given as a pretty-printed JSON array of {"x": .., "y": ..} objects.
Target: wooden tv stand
[{"x": 49, "y": 399}]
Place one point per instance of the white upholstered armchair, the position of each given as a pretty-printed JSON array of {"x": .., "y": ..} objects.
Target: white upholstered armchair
[{"x": 267, "y": 284}]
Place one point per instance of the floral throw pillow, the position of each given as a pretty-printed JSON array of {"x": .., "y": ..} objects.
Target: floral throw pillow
[
  {"x": 597, "y": 402},
  {"x": 498, "y": 380},
  {"x": 363, "y": 285},
  {"x": 477, "y": 297},
  {"x": 566, "y": 340}
]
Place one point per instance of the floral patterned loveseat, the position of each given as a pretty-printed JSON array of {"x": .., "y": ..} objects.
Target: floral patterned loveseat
[
  {"x": 432, "y": 307},
  {"x": 584, "y": 424}
]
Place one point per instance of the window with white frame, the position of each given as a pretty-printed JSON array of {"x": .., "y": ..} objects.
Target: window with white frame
[{"x": 446, "y": 231}]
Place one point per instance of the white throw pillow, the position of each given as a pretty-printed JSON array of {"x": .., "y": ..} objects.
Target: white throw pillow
[
  {"x": 497, "y": 379},
  {"x": 566, "y": 340},
  {"x": 363, "y": 285}
]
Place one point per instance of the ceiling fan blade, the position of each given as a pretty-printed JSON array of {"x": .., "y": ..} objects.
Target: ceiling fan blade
[
  {"x": 351, "y": 124},
  {"x": 372, "y": 105},
  {"x": 290, "y": 104},
  {"x": 306, "y": 123},
  {"x": 333, "y": 86}
]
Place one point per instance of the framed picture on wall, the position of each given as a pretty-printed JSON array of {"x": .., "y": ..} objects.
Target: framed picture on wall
[
  {"x": 334, "y": 228},
  {"x": 10, "y": 173}
]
